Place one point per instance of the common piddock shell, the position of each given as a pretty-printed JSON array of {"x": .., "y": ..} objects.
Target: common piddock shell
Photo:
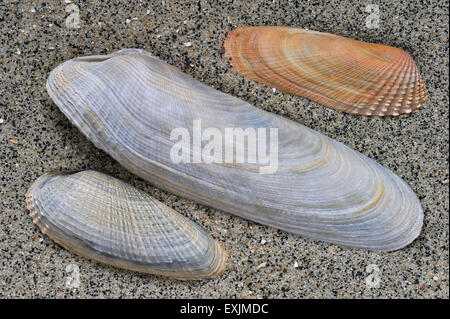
[
  {"x": 344, "y": 74},
  {"x": 130, "y": 104},
  {"x": 102, "y": 218}
]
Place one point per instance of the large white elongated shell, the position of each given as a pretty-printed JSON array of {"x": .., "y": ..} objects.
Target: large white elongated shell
[
  {"x": 129, "y": 102},
  {"x": 344, "y": 74},
  {"x": 104, "y": 219}
]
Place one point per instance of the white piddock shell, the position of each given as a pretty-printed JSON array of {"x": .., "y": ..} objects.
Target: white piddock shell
[
  {"x": 128, "y": 103},
  {"x": 102, "y": 218}
]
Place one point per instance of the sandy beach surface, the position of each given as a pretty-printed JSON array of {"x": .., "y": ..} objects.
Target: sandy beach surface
[{"x": 36, "y": 138}]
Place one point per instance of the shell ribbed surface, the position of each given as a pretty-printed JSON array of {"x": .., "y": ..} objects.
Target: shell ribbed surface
[
  {"x": 344, "y": 74},
  {"x": 104, "y": 219},
  {"x": 127, "y": 104}
]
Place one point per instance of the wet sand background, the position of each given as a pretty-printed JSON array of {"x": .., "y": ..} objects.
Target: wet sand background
[{"x": 36, "y": 138}]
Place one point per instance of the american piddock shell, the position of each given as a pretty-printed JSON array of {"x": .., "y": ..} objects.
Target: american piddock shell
[
  {"x": 130, "y": 103},
  {"x": 102, "y": 218},
  {"x": 344, "y": 74}
]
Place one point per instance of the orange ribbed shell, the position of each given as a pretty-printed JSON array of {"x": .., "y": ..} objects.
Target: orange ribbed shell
[{"x": 344, "y": 74}]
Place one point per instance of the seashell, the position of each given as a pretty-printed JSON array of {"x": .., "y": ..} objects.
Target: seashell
[
  {"x": 344, "y": 74},
  {"x": 104, "y": 219},
  {"x": 129, "y": 103}
]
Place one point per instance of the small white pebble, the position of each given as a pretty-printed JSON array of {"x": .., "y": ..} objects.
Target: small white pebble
[
  {"x": 34, "y": 26},
  {"x": 148, "y": 11},
  {"x": 51, "y": 48},
  {"x": 435, "y": 278},
  {"x": 50, "y": 25},
  {"x": 274, "y": 90},
  {"x": 191, "y": 65},
  {"x": 18, "y": 51},
  {"x": 127, "y": 21},
  {"x": 2, "y": 121},
  {"x": 135, "y": 19},
  {"x": 263, "y": 241},
  {"x": 41, "y": 240},
  {"x": 187, "y": 44},
  {"x": 33, "y": 10},
  {"x": 261, "y": 265},
  {"x": 177, "y": 30},
  {"x": 159, "y": 36},
  {"x": 445, "y": 181},
  {"x": 16, "y": 165},
  {"x": 296, "y": 265}
]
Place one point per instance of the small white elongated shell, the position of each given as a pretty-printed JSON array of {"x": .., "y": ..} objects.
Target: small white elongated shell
[
  {"x": 102, "y": 218},
  {"x": 129, "y": 102}
]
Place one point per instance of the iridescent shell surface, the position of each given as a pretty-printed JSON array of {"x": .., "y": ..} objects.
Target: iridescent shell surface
[
  {"x": 344, "y": 74},
  {"x": 104, "y": 219},
  {"x": 128, "y": 103}
]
